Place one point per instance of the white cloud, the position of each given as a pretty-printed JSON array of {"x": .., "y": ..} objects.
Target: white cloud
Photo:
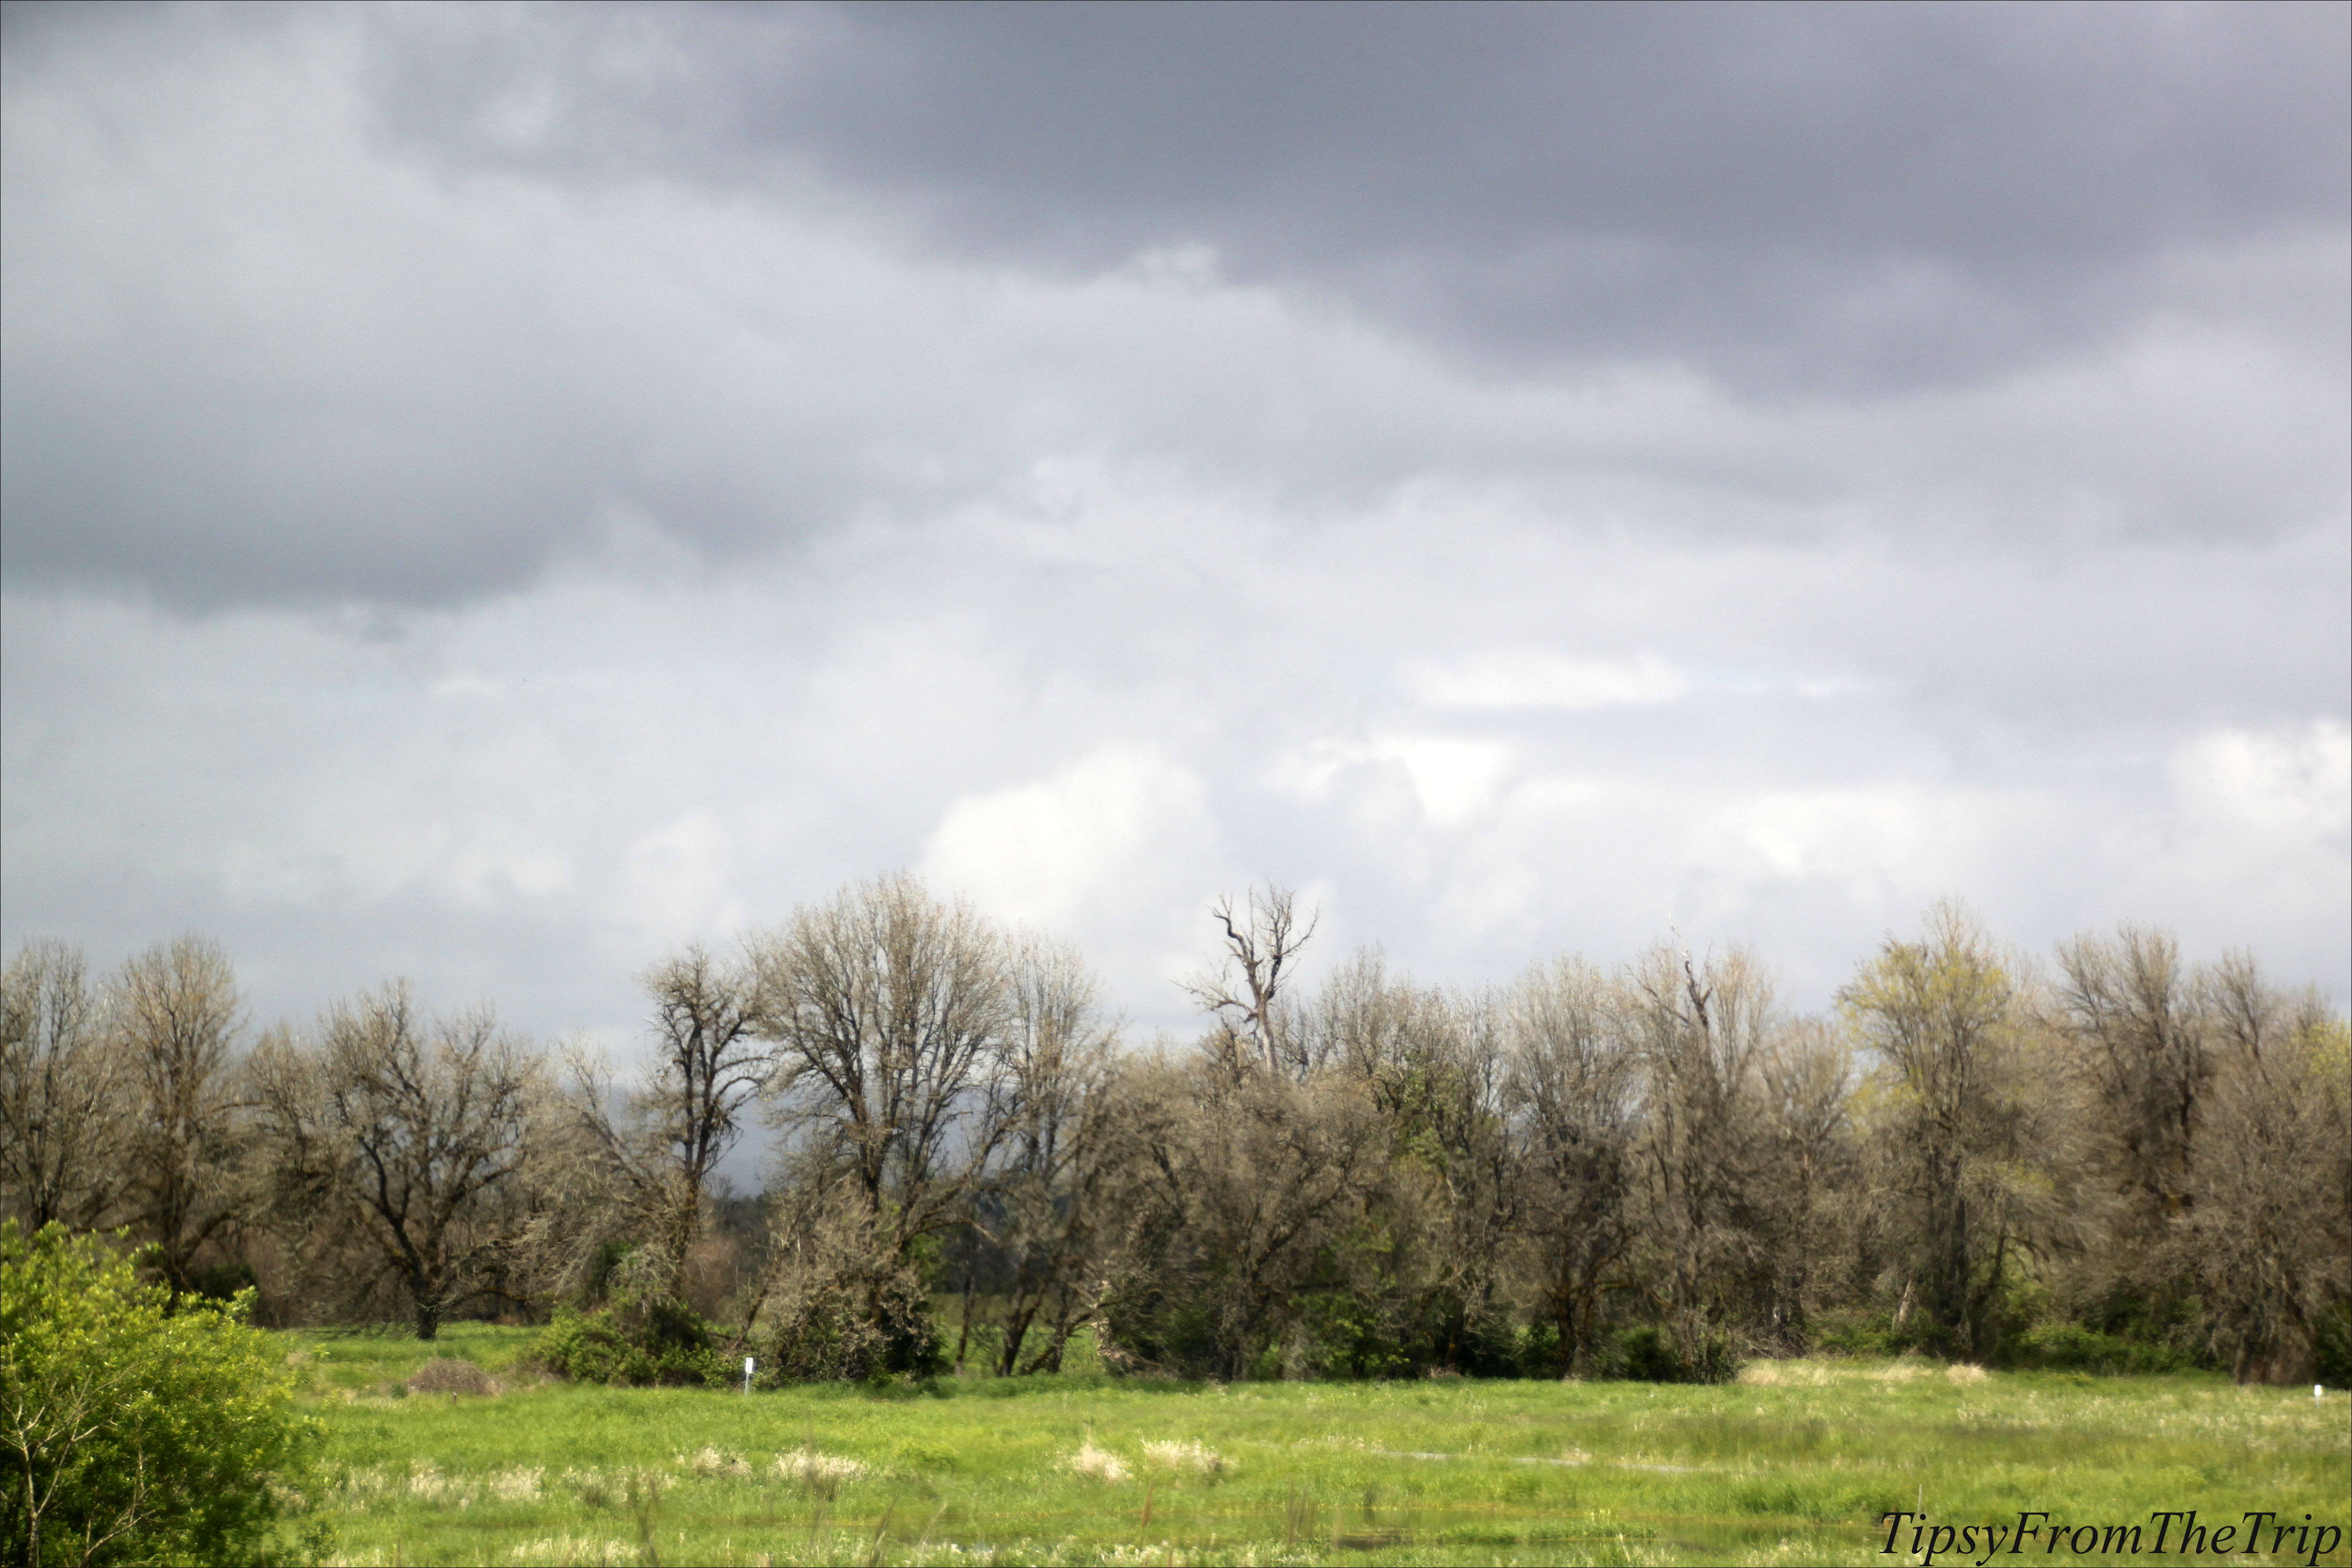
[
  {"x": 1449, "y": 780},
  {"x": 1544, "y": 680},
  {"x": 1122, "y": 823},
  {"x": 2289, "y": 789},
  {"x": 678, "y": 881}
]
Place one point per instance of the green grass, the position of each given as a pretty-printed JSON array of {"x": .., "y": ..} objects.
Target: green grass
[{"x": 980, "y": 1470}]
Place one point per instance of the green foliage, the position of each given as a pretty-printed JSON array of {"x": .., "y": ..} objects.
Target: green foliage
[
  {"x": 1648, "y": 1353},
  {"x": 1867, "y": 1334},
  {"x": 132, "y": 1433},
  {"x": 2331, "y": 1345},
  {"x": 636, "y": 1343},
  {"x": 2071, "y": 1347},
  {"x": 1539, "y": 1350}
]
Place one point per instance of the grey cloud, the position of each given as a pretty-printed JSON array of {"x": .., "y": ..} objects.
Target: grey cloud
[
  {"x": 576, "y": 777},
  {"x": 597, "y": 269},
  {"x": 1817, "y": 195}
]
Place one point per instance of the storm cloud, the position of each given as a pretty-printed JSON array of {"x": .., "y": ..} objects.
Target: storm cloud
[{"x": 492, "y": 492}]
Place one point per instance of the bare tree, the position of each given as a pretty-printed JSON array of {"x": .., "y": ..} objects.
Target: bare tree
[
  {"x": 2141, "y": 1030},
  {"x": 709, "y": 1066},
  {"x": 888, "y": 1011},
  {"x": 1254, "y": 1175},
  {"x": 2267, "y": 1240},
  {"x": 1050, "y": 1211},
  {"x": 1432, "y": 1062},
  {"x": 1700, "y": 1035},
  {"x": 1572, "y": 1088},
  {"x": 415, "y": 1131},
  {"x": 1808, "y": 1080},
  {"x": 174, "y": 1014},
  {"x": 1262, "y": 939},
  {"x": 60, "y": 1118}
]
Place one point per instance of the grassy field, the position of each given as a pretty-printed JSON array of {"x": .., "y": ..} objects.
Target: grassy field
[{"x": 1793, "y": 1465}]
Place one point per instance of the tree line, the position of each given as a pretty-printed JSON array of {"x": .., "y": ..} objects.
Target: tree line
[{"x": 2113, "y": 1158}]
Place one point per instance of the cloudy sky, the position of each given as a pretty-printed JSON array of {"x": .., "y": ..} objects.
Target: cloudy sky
[{"x": 492, "y": 494}]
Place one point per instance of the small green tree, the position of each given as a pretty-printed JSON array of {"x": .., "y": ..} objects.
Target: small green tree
[{"x": 134, "y": 1433}]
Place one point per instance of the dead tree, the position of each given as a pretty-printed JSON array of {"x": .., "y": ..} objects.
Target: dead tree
[{"x": 1262, "y": 940}]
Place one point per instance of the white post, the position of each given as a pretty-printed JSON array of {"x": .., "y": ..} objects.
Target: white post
[
  {"x": 747, "y": 1373},
  {"x": 2314, "y": 1391}
]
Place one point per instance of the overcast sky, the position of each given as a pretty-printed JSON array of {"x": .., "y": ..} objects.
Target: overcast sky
[{"x": 492, "y": 494}]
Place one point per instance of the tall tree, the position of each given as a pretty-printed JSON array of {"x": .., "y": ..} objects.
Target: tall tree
[
  {"x": 1573, "y": 1089},
  {"x": 1051, "y": 1212},
  {"x": 2142, "y": 1034},
  {"x": 708, "y": 1068},
  {"x": 417, "y": 1129},
  {"x": 1256, "y": 1179},
  {"x": 888, "y": 1011},
  {"x": 174, "y": 1014},
  {"x": 1700, "y": 1035},
  {"x": 60, "y": 1082},
  {"x": 1433, "y": 1064},
  {"x": 1958, "y": 1140},
  {"x": 2267, "y": 1240}
]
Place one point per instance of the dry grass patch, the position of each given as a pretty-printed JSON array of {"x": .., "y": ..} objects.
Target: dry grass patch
[
  {"x": 574, "y": 1552},
  {"x": 520, "y": 1484},
  {"x": 1099, "y": 1464},
  {"x": 810, "y": 1469},
  {"x": 1194, "y": 1456},
  {"x": 711, "y": 1461}
]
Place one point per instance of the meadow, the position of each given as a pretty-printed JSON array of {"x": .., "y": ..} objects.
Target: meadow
[{"x": 1793, "y": 1464}]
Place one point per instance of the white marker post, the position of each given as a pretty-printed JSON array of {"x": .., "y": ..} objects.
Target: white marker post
[{"x": 747, "y": 1375}]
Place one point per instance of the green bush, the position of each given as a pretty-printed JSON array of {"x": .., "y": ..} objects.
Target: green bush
[
  {"x": 1865, "y": 1333},
  {"x": 1648, "y": 1353},
  {"x": 2331, "y": 1344},
  {"x": 2071, "y": 1347},
  {"x": 132, "y": 1433},
  {"x": 637, "y": 1343}
]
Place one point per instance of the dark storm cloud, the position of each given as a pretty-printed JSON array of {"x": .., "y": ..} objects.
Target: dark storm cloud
[
  {"x": 405, "y": 305},
  {"x": 1829, "y": 195}
]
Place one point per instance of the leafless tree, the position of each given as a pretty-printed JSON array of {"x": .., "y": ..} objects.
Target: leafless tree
[
  {"x": 888, "y": 1013},
  {"x": 1254, "y": 1176},
  {"x": 1432, "y": 1062},
  {"x": 1700, "y": 1035},
  {"x": 2267, "y": 1238},
  {"x": 1572, "y": 1088},
  {"x": 60, "y": 1083},
  {"x": 1051, "y": 1212},
  {"x": 2141, "y": 1032},
  {"x": 1263, "y": 939},
  {"x": 411, "y": 1131},
  {"x": 1808, "y": 1081},
  {"x": 173, "y": 1011},
  {"x": 709, "y": 1066}
]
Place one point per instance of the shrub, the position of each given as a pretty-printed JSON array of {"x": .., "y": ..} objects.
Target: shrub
[
  {"x": 636, "y": 1343},
  {"x": 1648, "y": 1353},
  {"x": 1866, "y": 1333},
  {"x": 132, "y": 1433},
  {"x": 2331, "y": 1344},
  {"x": 2071, "y": 1347}
]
